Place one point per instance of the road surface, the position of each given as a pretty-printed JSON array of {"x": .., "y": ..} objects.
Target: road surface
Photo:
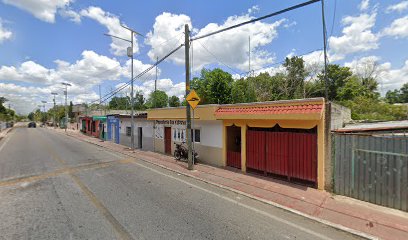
[{"x": 53, "y": 186}]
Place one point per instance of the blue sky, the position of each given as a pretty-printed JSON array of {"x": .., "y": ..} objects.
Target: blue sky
[{"x": 43, "y": 43}]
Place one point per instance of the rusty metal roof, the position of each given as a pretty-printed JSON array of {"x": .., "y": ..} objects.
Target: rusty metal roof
[{"x": 375, "y": 126}]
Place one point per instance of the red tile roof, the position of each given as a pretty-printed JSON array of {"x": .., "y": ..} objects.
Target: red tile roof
[{"x": 291, "y": 109}]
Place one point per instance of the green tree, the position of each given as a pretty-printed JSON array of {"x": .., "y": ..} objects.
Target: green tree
[
  {"x": 242, "y": 91},
  {"x": 70, "y": 110},
  {"x": 119, "y": 103},
  {"x": 393, "y": 96},
  {"x": 59, "y": 113},
  {"x": 337, "y": 77},
  {"x": 157, "y": 99},
  {"x": 2, "y": 108},
  {"x": 404, "y": 93},
  {"x": 31, "y": 116},
  {"x": 174, "y": 101},
  {"x": 213, "y": 86},
  {"x": 140, "y": 101},
  {"x": 295, "y": 77},
  {"x": 365, "y": 108},
  {"x": 268, "y": 88}
]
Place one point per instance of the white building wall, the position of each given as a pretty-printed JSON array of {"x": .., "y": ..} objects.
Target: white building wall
[
  {"x": 209, "y": 148},
  {"x": 147, "y": 132},
  {"x": 210, "y": 132}
]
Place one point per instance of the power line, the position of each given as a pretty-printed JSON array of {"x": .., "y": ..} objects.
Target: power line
[
  {"x": 109, "y": 95},
  {"x": 257, "y": 19},
  {"x": 218, "y": 59},
  {"x": 283, "y": 61},
  {"x": 334, "y": 18},
  {"x": 165, "y": 41}
]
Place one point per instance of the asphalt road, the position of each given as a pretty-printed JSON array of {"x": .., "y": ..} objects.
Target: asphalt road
[{"x": 55, "y": 187}]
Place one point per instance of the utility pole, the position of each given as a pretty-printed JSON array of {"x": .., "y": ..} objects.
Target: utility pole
[
  {"x": 188, "y": 109},
  {"x": 44, "y": 102},
  {"x": 130, "y": 54},
  {"x": 54, "y": 122},
  {"x": 66, "y": 104},
  {"x": 132, "y": 101},
  {"x": 249, "y": 55},
  {"x": 326, "y": 81},
  {"x": 155, "y": 81},
  {"x": 100, "y": 99}
]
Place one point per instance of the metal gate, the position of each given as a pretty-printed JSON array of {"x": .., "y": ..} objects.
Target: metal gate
[
  {"x": 234, "y": 159},
  {"x": 372, "y": 168},
  {"x": 289, "y": 154}
]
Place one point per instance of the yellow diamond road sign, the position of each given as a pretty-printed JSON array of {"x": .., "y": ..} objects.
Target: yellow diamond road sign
[{"x": 193, "y": 99}]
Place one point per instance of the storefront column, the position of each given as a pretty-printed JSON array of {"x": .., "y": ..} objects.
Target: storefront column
[
  {"x": 320, "y": 155},
  {"x": 224, "y": 145},
  {"x": 243, "y": 147}
]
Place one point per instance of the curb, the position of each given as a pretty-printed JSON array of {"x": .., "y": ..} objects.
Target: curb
[
  {"x": 4, "y": 133},
  {"x": 334, "y": 225}
]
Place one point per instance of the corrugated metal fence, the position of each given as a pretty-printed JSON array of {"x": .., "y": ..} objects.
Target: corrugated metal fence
[{"x": 372, "y": 168}]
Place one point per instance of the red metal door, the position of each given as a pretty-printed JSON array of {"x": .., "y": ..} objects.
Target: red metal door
[
  {"x": 234, "y": 159},
  {"x": 277, "y": 149},
  {"x": 167, "y": 140},
  {"x": 255, "y": 150},
  {"x": 290, "y": 154},
  {"x": 303, "y": 156}
]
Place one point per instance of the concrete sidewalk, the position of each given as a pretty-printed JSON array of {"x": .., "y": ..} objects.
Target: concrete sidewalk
[
  {"x": 349, "y": 214},
  {"x": 4, "y": 132}
]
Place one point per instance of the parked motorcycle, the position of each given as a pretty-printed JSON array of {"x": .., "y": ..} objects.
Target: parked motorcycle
[{"x": 181, "y": 153}]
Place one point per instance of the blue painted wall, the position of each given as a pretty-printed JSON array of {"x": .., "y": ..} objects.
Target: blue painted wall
[{"x": 113, "y": 126}]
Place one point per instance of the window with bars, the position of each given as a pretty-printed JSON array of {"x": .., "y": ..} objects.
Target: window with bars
[
  {"x": 128, "y": 131},
  {"x": 195, "y": 133}
]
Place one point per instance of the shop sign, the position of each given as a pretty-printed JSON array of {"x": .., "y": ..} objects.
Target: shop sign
[{"x": 171, "y": 122}]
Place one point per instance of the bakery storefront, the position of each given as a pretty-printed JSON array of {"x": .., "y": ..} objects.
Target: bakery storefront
[
  {"x": 283, "y": 139},
  {"x": 170, "y": 128}
]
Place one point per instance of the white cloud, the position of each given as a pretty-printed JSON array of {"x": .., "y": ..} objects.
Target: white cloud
[
  {"x": 388, "y": 78},
  {"x": 84, "y": 74},
  {"x": 399, "y": 7},
  {"x": 398, "y": 28},
  {"x": 253, "y": 9},
  {"x": 25, "y": 99},
  {"x": 91, "y": 69},
  {"x": 70, "y": 14},
  {"x": 214, "y": 49},
  {"x": 167, "y": 34},
  {"x": 357, "y": 36},
  {"x": 44, "y": 10},
  {"x": 364, "y": 5},
  {"x": 5, "y": 34},
  {"x": 113, "y": 24},
  {"x": 138, "y": 67}
]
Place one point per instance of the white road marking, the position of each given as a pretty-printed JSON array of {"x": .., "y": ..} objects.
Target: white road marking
[{"x": 238, "y": 203}]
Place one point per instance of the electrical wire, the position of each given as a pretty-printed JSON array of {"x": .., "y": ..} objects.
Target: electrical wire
[
  {"x": 334, "y": 18},
  {"x": 282, "y": 61},
  {"x": 109, "y": 95},
  {"x": 216, "y": 58},
  {"x": 257, "y": 19}
]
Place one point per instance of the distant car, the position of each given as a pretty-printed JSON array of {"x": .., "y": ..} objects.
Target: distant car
[{"x": 32, "y": 125}]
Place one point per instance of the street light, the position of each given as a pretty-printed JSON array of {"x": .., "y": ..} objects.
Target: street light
[
  {"x": 130, "y": 54},
  {"x": 44, "y": 102},
  {"x": 66, "y": 110},
  {"x": 54, "y": 122}
]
